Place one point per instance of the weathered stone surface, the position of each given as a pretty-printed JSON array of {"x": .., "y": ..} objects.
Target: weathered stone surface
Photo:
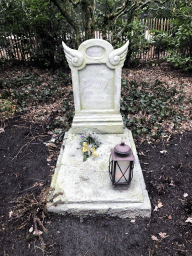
[
  {"x": 84, "y": 188},
  {"x": 96, "y": 87},
  {"x": 99, "y": 123},
  {"x": 96, "y": 77}
]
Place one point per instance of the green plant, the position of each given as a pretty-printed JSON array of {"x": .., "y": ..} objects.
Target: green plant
[
  {"x": 158, "y": 11},
  {"x": 161, "y": 41},
  {"x": 68, "y": 108},
  {"x": 181, "y": 36},
  {"x": 7, "y": 108},
  {"x": 38, "y": 30},
  {"x": 21, "y": 97},
  {"x": 5, "y": 94},
  {"x": 145, "y": 107},
  {"x": 59, "y": 135},
  {"x": 32, "y": 89},
  {"x": 137, "y": 43},
  {"x": 1, "y": 83}
]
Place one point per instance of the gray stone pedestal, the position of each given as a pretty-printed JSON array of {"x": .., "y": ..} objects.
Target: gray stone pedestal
[
  {"x": 84, "y": 188},
  {"x": 99, "y": 123}
]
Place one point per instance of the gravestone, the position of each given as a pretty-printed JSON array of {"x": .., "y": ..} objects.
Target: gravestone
[
  {"x": 85, "y": 188},
  {"x": 96, "y": 77}
]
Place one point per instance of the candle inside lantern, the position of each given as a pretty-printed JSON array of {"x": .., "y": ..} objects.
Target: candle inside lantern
[{"x": 118, "y": 174}]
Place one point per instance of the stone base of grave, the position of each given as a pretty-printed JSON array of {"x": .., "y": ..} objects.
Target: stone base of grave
[
  {"x": 84, "y": 188},
  {"x": 99, "y": 123}
]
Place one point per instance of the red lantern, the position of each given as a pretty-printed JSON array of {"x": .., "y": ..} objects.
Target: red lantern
[{"x": 121, "y": 163}]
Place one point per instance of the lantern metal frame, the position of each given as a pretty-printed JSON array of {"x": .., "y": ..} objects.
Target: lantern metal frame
[{"x": 115, "y": 158}]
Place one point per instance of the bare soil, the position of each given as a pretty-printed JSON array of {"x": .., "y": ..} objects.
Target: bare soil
[{"x": 26, "y": 169}]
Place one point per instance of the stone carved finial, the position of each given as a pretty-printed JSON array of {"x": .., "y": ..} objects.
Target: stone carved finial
[
  {"x": 118, "y": 56},
  {"x": 74, "y": 57}
]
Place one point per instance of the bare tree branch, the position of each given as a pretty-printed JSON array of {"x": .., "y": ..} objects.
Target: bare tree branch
[
  {"x": 75, "y": 4},
  {"x": 119, "y": 11}
]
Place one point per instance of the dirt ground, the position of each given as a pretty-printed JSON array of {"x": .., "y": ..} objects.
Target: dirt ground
[{"x": 26, "y": 170}]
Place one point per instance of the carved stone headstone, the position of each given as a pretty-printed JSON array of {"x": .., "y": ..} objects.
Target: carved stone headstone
[{"x": 96, "y": 77}]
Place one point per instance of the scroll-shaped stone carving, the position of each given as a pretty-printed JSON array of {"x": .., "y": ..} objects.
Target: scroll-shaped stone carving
[
  {"x": 118, "y": 56},
  {"x": 74, "y": 57}
]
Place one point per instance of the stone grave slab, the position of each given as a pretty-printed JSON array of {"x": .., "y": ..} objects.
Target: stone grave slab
[{"x": 84, "y": 188}]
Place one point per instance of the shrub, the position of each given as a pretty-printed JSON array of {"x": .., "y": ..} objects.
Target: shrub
[
  {"x": 181, "y": 36},
  {"x": 137, "y": 42},
  {"x": 161, "y": 41}
]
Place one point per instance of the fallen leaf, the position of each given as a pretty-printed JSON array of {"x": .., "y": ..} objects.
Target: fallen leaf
[
  {"x": 150, "y": 171},
  {"x": 37, "y": 233},
  {"x": 50, "y": 132},
  {"x": 53, "y": 139},
  {"x": 189, "y": 220},
  {"x": 171, "y": 183},
  {"x": 31, "y": 230},
  {"x": 50, "y": 157},
  {"x": 169, "y": 217},
  {"x": 158, "y": 206},
  {"x": 10, "y": 214},
  {"x": 2, "y": 130},
  {"x": 51, "y": 145},
  {"x": 154, "y": 238},
  {"x": 185, "y": 194},
  {"x": 163, "y": 152},
  {"x": 163, "y": 235}
]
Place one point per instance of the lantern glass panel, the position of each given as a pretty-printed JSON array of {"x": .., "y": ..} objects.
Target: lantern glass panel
[{"x": 122, "y": 171}]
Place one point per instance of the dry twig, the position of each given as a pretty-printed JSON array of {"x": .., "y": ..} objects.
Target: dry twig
[{"x": 31, "y": 208}]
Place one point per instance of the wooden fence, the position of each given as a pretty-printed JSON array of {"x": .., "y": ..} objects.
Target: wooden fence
[
  {"x": 17, "y": 47},
  {"x": 150, "y": 25},
  {"x": 158, "y": 24},
  {"x": 20, "y": 48}
]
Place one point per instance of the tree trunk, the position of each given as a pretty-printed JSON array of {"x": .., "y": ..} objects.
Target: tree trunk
[
  {"x": 88, "y": 7},
  {"x": 62, "y": 8}
]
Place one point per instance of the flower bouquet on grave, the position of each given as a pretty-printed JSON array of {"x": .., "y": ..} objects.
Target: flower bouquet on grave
[{"x": 89, "y": 142}]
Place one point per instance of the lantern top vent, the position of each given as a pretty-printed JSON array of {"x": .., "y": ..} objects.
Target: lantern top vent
[{"x": 122, "y": 149}]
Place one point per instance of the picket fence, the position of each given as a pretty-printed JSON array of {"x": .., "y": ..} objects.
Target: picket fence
[{"x": 19, "y": 48}]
